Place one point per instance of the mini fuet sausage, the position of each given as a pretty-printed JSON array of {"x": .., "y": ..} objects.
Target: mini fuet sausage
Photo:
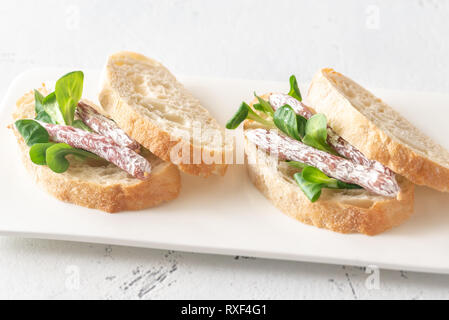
[
  {"x": 105, "y": 126},
  {"x": 102, "y": 146},
  {"x": 286, "y": 148}
]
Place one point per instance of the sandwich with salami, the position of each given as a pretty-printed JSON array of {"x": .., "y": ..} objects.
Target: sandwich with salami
[
  {"x": 125, "y": 154},
  {"x": 345, "y": 161},
  {"x": 80, "y": 155}
]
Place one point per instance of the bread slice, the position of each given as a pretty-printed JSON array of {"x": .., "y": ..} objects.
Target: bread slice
[
  {"x": 147, "y": 101},
  {"x": 103, "y": 187},
  {"x": 345, "y": 211},
  {"x": 379, "y": 131}
]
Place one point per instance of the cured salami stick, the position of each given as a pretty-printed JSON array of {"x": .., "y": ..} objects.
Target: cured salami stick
[
  {"x": 342, "y": 146},
  {"x": 102, "y": 146},
  {"x": 339, "y": 168},
  {"x": 105, "y": 126}
]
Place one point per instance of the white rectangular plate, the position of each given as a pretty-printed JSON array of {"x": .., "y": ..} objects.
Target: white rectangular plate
[{"x": 228, "y": 215}]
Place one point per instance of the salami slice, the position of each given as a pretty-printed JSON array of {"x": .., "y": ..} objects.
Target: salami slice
[
  {"x": 102, "y": 146},
  {"x": 286, "y": 148},
  {"x": 342, "y": 146},
  {"x": 105, "y": 126}
]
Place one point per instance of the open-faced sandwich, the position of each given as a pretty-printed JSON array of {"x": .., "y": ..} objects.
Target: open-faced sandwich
[
  {"x": 345, "y": 162},
  {"x": 119, "y": 156}
]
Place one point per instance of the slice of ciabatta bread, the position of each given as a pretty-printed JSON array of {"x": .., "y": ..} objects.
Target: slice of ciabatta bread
[
  {"x": 104, "y": 187},
  {"x": 378, "y": 131},
  {"x": 345, "y": 211},
  {"x": 147, "y": 101}
]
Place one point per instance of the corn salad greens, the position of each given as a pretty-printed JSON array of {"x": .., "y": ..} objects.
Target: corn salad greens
[{"x": 312, "y": 132}]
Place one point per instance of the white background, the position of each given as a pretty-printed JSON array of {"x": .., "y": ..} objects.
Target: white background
[{"x": 401, "y": 44}]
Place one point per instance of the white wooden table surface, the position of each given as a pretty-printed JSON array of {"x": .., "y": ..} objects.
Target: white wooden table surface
[{"x": 400, "y": 44}]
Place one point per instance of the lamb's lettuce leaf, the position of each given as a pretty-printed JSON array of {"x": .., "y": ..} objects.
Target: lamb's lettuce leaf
[
  {"x": 245, "y": 112},
  {"x": 289, "y": 122},
  {"x": 31, "y": 131},
  {"x": 294, "y": 89},
  {"x": 55, "y": 156},
  {"x": 316, "y": 133},
  {"x": 68, "y": 91}
]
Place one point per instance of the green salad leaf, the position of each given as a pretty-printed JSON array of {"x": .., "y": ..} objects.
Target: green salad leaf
[
  {"x": 316, "y": 133},
  {"x": 239, "y": 116},
  {"x": 263, "y": 106},
  {"x": 68, "y": 91},
  {"x": 312, "y": 180},
  {"x": 245, "y": 112},
  {"x": 344, "y": 185},
  {"x": 310, "y": 189},
  {"x": 38, "y": 102},
  {"x": 41, "y": 114},
  {"x": 294, "y": 89},
  {"x": 44, "y": 117},
  {"x": 51, "y": 107},
  {"x": 38, "y": 152},
  {"x": 55, "y": 156},
  {"x": 32, "y": 132},
  {"x": 296, "y": 164},
  {"x": 47, "y": 109},
  {"x": 289, "y": 122},
  {"x": 258, "y": 107},
  {"x": 314, "y": 175}
]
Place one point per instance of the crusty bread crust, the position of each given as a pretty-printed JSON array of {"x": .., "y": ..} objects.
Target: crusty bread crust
[
  {"x": 325, "y": 96},
  {"x": 126, "y": 193},
  {"x": 149, "y": 134},
  {"x": 344, "y": 211}
]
